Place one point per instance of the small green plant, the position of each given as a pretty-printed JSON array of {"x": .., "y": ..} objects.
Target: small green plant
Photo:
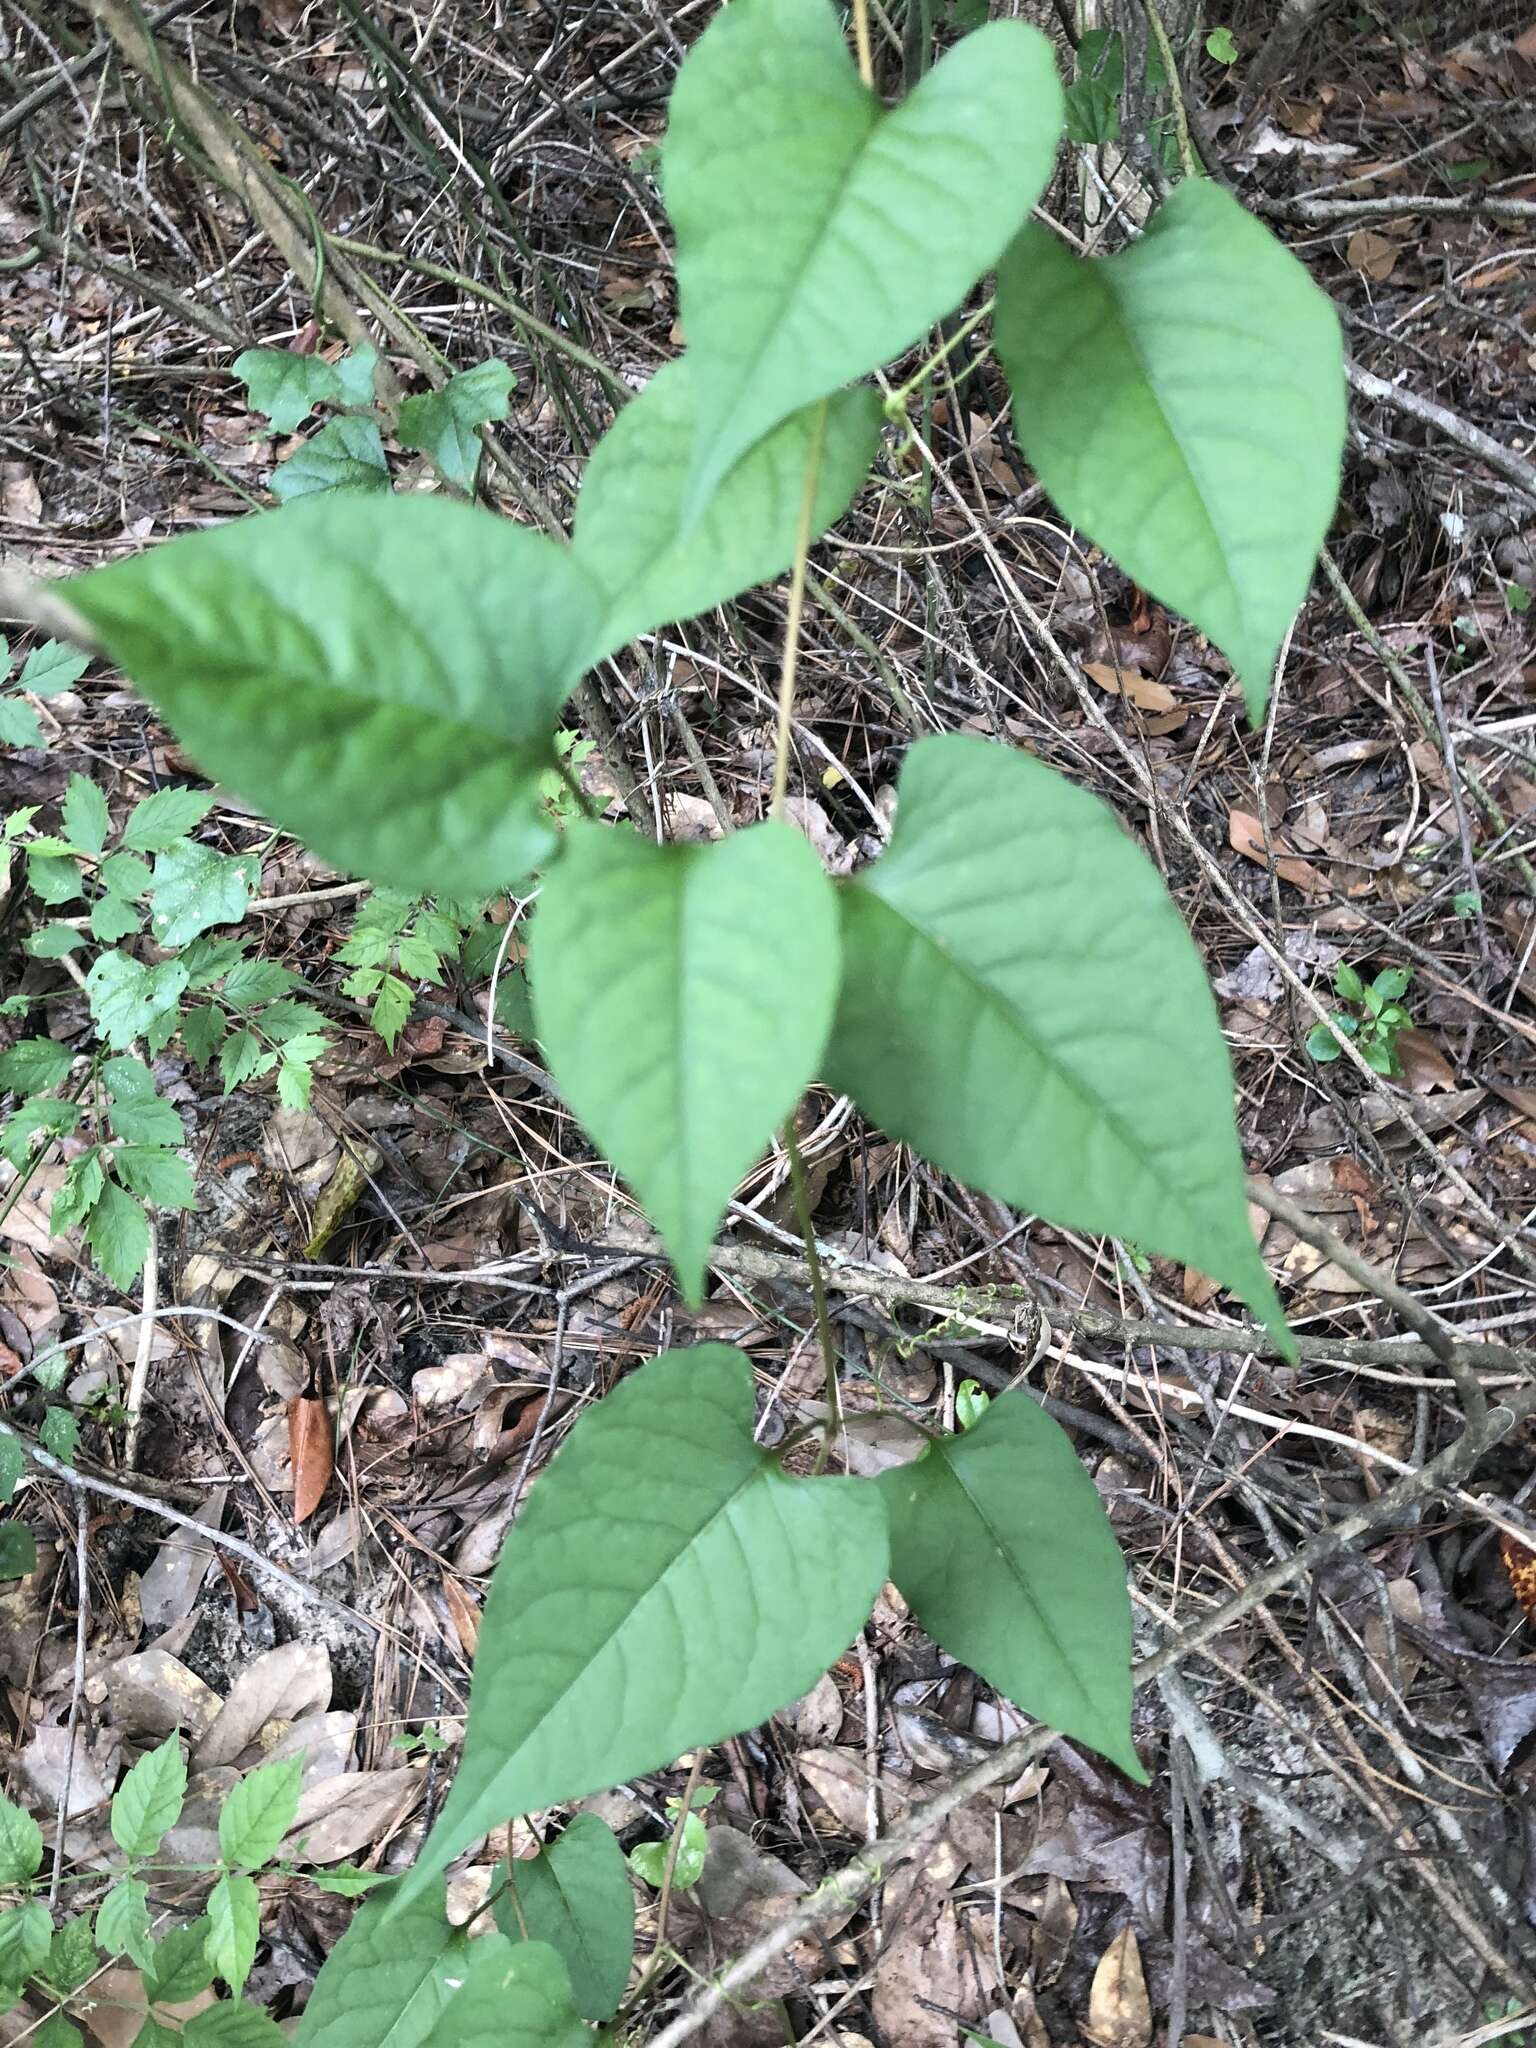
[
  {"x": 149, "y": 881},
  {"x": 669, "y": 1582},
  {"x": 58, "y": 1958},
  {"x": 50, "y": 668},
  {"x": 1373, "y": 1018},
  {"x": 1222, "y": 46},
  {"x": 648, "y": 1860}
]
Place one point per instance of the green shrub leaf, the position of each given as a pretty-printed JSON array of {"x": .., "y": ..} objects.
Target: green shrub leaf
[
  {"x": 683, "y": 996},
  {"x": 18, "y": 1551},
  {"x": 236, "y": 2024},
  {"x": 127, "y": 998},
  {"x": 149, "y": 1800},
  {"x": 117, "y": 1231},
  {"x": 259, "y": 1812},
  {"x": 817, "y": 235},
  {"x": 388, "y": 1979},
  {"x": 84, "y": 811},
  {"x": 442, "y": 423},
  {"x": 179, "y": 1967},
  {"x": 21, "y": 1844},
  {"x": 1002, "y": 1547},
  {"x": 33, "y": 1064},
  {"x": 155, "y": 1175},
  {"x": 161, "y": 818},
  {"x": 25, "y": 1935},
  {"x": 122, "y": 1921},
  {"x": 285, "y": 386},
  {"x": 726, "y": 1588},
  {"x": 629, "y": 517},
  {"x": 380, "y": 675},
  {"x": 1022, "y": 1003},
  {"x": 195, "y": 888},
  {"x": 52, "y": 668},
  {"x": 234, "y": 1923},
  {"x": 348, "y": 455},
  {"x": 514, "y": 1995},
  {"x": 1184, "y": 404},
  {"x": 576, "y": 1896}
]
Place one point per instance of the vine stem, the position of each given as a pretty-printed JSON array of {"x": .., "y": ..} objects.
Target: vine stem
[
  {"x": 664, "y": 1896},
  {"x": 802, "y": 1200},
  {"x": 1188, "y": 162},
  {"x": 794, "y": 615}
]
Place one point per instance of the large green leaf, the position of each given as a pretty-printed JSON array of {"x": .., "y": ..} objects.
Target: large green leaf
[
  {"x": 683, "y": 996},
  {"x": 380, "y": 675},
  {"x": 576, "y": 1895},
  {"x": 1184, "y": 404},
  {"x": 389, "y": 1979},
  {"x": 1022, "y": 1003},
  {"x": 666, "y": 1585},
  {"x": 1001, "y": 1545},
  {"x": 817, "y": 235},
  {"x": 514, "y": 1995},
  {"x": 629, "y": 517}
]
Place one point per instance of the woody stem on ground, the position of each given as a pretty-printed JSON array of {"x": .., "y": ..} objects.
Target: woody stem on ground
[{"x": 1188, "y": 162}]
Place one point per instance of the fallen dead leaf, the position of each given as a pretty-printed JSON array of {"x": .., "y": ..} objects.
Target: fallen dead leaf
[
  {"x": 1119, "y": 2011},
  {"x": 1425, "y": 1066},
  {"x": 1139, "y": 690},
  {"x": 310, "y": 1453},
  {"x": 1245, "y": 835},
  {"x": 463, "y": 1613},
  {"x": 1372, "y": 255},
  {"x": 280, "y": 1686}
]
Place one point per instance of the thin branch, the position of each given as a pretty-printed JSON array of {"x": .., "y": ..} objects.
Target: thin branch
[{"x": 1429, "y": 413}]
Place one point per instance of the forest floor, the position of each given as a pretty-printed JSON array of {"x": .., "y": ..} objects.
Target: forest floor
[{"x": 1338, "y": 1843}]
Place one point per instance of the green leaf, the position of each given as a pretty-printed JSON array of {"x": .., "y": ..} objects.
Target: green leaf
[
  {"x": 818, "y": 235},
  {"x": 33, "y": 1064},
  {"x": 1022, "y": 1003},
  {"x": 20, "y": 725},
  {"x": 52, "y": 668},
  {"x": 670, "y": 1041},
  {"x": 1221, "y": 44},
  {"x": 629, "y": 518},
  {"x": 180, "y": 1967},
  {"x": 194, "y": 888},
  {"x": 153, "y": 2035},
  {"x": 234, "y": 1923},
  {"x": 442, "y": 423},
  {"x": 117, "y": 1232},
  {"x": 285, "y": 386},
  {"x": 21, "y": 1844},
  {"x": 72, "y": 1956},
  {"x": 156, "y": 1175},
  {"x": 648, "y": 1860},
  {"x": 1001, "y": 1545},
  {"x": 514, "y": 1995},
  {"x": 149, "y": 1800},
  {"x": 348, "y": 455},
  {"x": 346, "y": 1880},
  {"x": 166, "y": 815},
  {"x": 237, "y": 2024},
  {"x": 84, "y": 811},
  {"x": 139, "y": 1115},
  {"x": 112, "y": 918},
  {"x": 41, "y": 1116},
  {"x": 13, "y": 1463},
  {"x": 18, "y": 1551},
  {"x": 126, "y": 997},
  {"x": 1392, "y": 982},
  {"x": 60, "y": 1434},
  {"x": 56, "y": 2031},
  {"x": 239, "y": 1057},
  {"x": 388, "y": 1979},
  {"x": 575, "y": 1895},
  {"x": 250, "y": 982},
  {"x": 355, "y": 373},
  {"x": 25, "y": 1935},
  {"x": 52, "y": 877},
  {"x": 122, "y": 1920},
  {"x": 201, "y": 1033},
  {"x": 79, "y": 1192},
  {"x": 1323, "y": 1044},
  {"x": 380, "y": 675},
  {"x": 1184, "y": 404},
  {"x": 726, "y": 1589},
  {"x": 259, "y": 1812}
]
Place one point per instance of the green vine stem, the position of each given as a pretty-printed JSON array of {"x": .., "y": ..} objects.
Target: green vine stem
[{"x": 793, "y": 616}]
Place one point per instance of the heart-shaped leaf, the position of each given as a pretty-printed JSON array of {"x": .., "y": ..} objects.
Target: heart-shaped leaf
[
  {"x": 1022, "y": 1003},
  {"x": 666, "y": 1585},
  {"x": 683, "y": 996},
  {"x": 1001, "y": 1544},
  {"x": 629, "y": 517},
  {"x": 818, "y": 235},
  {"x": 1184, "y": 404},
  {"x": 381, "y": 675},
  {"x": 443, "y": 423}
]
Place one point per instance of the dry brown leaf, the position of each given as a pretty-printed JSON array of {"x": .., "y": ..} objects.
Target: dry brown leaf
[
  {"x": 1245, "y": 835},
  {"x": 310, "y": 1453},
  {"x": 463, "y": 1613},
  {"x": 341, "y": 1817},
  {"x": 1425, "y": 1066},
  {"x": 1139, "y": 690},
  {"x": 1119, "y": 2010},
  {"x": 1372, "y": 255},
  {"x": 282, "y": 1686}
]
